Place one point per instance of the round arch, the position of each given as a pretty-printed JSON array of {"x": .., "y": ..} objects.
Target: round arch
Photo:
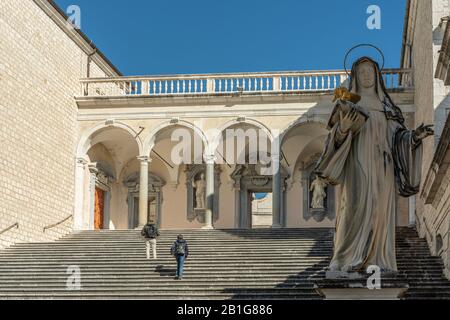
[
  {"x": 84, "y": 143},
  {"x": 216, "y": 139},
  {"x": 149, "y": 141},
  {"x": 301, "y": 121}
]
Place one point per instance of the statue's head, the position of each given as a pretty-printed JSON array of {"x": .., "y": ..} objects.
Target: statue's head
[
  {"x": 366, "y": 74},
  {"x": 202, "y": 176}
]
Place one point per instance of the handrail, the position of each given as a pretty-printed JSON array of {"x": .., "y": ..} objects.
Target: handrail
[
  {"x": 232, "y": 83},
  {"x": 57, "y": 224},
  {"x": 229, "y": 75},
  {"x": 15, "y": 225}
]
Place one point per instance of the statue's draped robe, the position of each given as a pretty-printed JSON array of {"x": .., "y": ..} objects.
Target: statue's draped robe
[{"x": 370, "y": 168}]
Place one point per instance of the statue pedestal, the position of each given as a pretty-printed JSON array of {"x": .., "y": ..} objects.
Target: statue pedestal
[
  {"x": 356, "y": 286},
  {"x": 318, "y": 213},
  {"x": 200, "y": 213}
]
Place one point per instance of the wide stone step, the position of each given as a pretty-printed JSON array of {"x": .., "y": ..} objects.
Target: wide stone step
[
  {"x": 165, "y": 253},
  {"x": 195, "y": 283},
  {"x": 198, "y": 261},
  {"x": 163, "y": 296},
  {"x": 145, "y": 288},
  {"x": 224, "y": 264},
  {"x": 206, "y": 245},
  {"x": 163, "y": 287}
]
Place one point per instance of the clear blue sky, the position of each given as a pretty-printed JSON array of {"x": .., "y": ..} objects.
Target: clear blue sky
[{"x": 145, "y": 37}]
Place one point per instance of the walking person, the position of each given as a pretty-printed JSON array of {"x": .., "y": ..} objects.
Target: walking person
[
  {"x": 150, "y": 232},
  {"x": 180, "y": 251}
]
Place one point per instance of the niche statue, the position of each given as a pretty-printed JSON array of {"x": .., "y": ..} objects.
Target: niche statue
[
  {"x": 318, "y": 193},
  {"x": 200, "y": 191}
]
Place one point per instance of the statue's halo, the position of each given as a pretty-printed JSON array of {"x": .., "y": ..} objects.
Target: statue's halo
[{"x": 364, "y": 45}]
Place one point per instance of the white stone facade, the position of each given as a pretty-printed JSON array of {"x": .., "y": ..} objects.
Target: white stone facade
[{"x": 40, "y": 70}]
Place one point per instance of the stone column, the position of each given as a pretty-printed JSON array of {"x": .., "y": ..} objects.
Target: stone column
[
  {"x": 210, "y": 160},
  {"x": 79, "y": 194},
  {"x": 276, "y": 191},
  {"x": 143, "y": 191}
]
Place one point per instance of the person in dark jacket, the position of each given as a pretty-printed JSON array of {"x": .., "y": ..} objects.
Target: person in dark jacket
[
  {"x": 150, "y": 232},
  {"x": 180, "y": 251}
]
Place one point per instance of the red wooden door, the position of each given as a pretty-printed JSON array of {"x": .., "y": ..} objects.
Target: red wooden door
[{"x": 99, "y": 208}]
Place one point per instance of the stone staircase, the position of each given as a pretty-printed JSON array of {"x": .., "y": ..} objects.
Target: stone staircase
[{"x": 224, "y": 264}]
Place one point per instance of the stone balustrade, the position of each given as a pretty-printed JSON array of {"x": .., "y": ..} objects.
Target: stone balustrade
[{"x": 243, "y": 83}]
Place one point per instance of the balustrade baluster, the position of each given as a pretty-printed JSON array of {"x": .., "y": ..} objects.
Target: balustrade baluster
[{"x": 249, "y": 83}]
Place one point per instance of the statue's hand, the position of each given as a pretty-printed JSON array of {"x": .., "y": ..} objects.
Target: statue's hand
[
  {"x": 422, "y": 132},
  {"x": 347, "y": 121}
]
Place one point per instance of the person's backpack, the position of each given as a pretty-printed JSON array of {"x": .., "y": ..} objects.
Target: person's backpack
[
  {"x": 150, "y": 232},
  {"x": 180, "y": 248}
]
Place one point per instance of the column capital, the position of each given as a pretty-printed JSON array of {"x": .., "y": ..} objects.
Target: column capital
[
  {"x": 81, "y": 161},
  {"x": 93, "y": 167},
  {"x": 144, "y": 159},
  {"x": 209, "y": 159}
]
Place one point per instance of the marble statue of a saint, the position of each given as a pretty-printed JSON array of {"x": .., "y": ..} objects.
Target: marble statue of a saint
[
  {"x": 370, "y": 166},
  {"x": 318, "y": 190},
  {"x": 200, "y": 191}
]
